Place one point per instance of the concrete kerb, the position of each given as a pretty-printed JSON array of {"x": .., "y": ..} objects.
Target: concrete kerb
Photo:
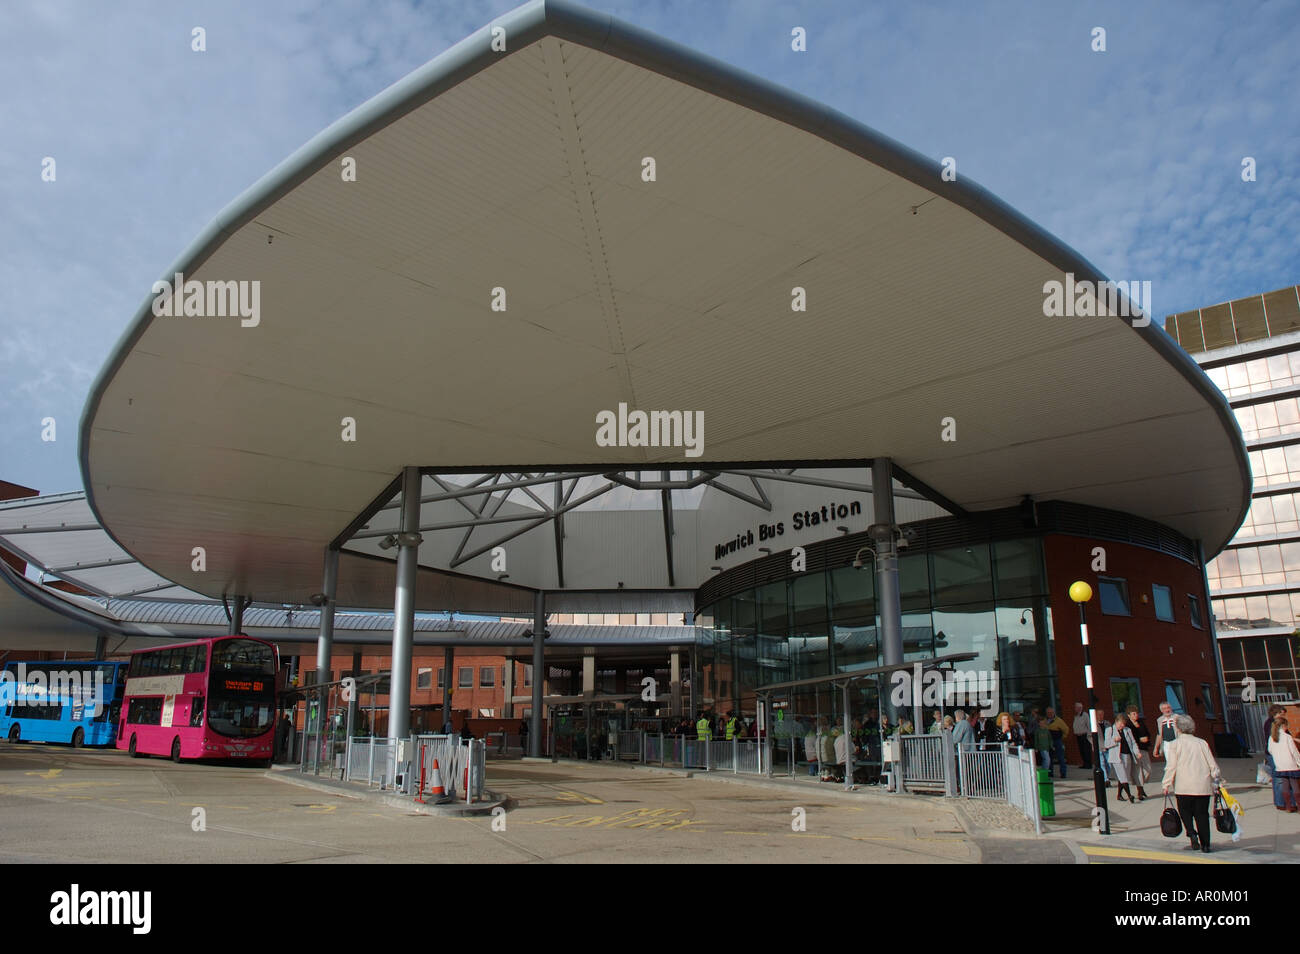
[{"x": 484, "y": 806}]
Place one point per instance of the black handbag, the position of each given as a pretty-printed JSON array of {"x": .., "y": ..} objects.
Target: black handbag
[
  {"x": 1171, "y": 825},
  {"x": 1224, "y": 820}
]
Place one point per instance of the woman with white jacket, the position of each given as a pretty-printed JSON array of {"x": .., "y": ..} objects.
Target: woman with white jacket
[
  {"x": 1286, "y": 761},
  {"x": 1119, "y": 746},
  {"x": 1193, "y": 775}
]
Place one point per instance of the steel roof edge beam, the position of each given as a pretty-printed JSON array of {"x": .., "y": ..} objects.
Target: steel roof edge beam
[
  {"x": 818, "y": 482},
  {"x": 921, "y": 487},
  {"x": 148, "y": 589},
  {"x": 99, "y": 565},
  {"x": 365, "y": 515},
  {"x": 42, "y": 596},
  {"x": 41, "y": 500},
  {"x": 61, "y": 528}
]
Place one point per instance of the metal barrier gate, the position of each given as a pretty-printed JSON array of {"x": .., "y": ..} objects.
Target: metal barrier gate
[
  {"x": 630, "y": 745},
  {"x": 462, "y": 766},
  {"x": 981, "y": 771},
  {"x": 1022, "y": 785},
  {"x": 924, "y": 766},
  {"x": 375, "y": 762},
  {"x": 371, "y": 760}
]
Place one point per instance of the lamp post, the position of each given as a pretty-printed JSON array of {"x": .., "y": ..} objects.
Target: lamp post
[{"x": 1080, "y": 593}]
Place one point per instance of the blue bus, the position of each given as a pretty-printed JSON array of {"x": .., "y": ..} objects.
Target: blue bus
[{"x": 72, "y": 702}]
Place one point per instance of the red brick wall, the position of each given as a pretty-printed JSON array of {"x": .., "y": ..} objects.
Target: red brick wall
[
  {"x": 9, "y": 491},
  {"x": 471, "y": 700},
  {"x": 1147, "y": 642}
]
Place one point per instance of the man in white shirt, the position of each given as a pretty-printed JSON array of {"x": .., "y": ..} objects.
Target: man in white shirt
[{"x": 1166, "y": 731}]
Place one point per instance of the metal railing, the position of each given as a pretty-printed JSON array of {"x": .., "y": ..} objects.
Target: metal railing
[
  {"x": 631, "y": 745},
  {"x": 371, "y": 760},
  {"x": 924, "y": 765},
  {"x": 462, "y": 765},
  {"x": 1022, "y": 785},
  {"x": 381, "y": 762},
  {"x": 1250, "y": 724},
  {"x": 981, "y": 771}
]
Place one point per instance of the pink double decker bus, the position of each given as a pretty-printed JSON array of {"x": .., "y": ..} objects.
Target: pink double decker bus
[{"x": 206, "y": 699}]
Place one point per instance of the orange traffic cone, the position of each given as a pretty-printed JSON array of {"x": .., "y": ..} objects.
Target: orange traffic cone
[{"x": 438, "y": 791}]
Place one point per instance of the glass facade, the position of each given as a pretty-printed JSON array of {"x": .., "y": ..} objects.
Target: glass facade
[
  {"x": 1255, "y": 584},
  {"x": 1270, "y": 660},
  {"x": 987, "y": 599}
]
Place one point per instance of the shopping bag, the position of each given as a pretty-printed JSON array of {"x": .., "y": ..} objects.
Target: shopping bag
[
  {"x": 1262, "y": 775},
  {"x": 1171, "y": 826},
  {"x": 1224, "y": 820},
  {"x": 1232, "y": 804}
]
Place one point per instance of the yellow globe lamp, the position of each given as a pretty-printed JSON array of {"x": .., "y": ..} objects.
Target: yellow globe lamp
[{"x": 1080, "y": 591}]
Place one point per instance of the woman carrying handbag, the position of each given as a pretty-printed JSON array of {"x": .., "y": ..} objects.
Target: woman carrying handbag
[{"x": 1193, "y": 776}]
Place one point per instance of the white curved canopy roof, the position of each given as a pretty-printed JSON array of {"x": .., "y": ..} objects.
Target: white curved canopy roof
[{"x": 522, "y": 170}]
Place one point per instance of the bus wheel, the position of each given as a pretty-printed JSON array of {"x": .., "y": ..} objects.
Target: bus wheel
[
  {"x": 78, "y": 737},
  {"x": 131, "y": 749},
  {"x": 176, "y": 749},
  {"x": 13, "y": 733}
]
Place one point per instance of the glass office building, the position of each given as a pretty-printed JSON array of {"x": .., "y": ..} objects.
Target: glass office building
[{"x": 1250, "y": 348}]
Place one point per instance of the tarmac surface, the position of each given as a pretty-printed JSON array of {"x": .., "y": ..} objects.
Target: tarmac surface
[{"x": 88, "y": 806}]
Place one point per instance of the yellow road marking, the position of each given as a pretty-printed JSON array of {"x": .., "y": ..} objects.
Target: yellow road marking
[
  {"x": 578, "y": 797},
  {"x": 1145, "y": 855},
  {"x": 48, "y": 773}
]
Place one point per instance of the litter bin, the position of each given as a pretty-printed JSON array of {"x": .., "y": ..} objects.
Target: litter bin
[{"x": 1046, "y": 794}]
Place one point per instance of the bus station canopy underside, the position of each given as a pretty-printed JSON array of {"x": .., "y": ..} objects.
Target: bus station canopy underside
[
  {"x": 60, "y": 543},
  {"x": 502, "y": 267}
]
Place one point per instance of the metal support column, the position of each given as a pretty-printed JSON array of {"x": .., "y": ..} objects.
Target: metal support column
[
  {"x": 237, "y": 614},
  {"x": 448, "y": 673},
  {"x": 408, "y": 541},
  {"x": 848, "y": 743},
  {"x": 675, "y": 681},
  {"x": 355, "y": 702},
  {"x": 884, "y": 534},
  {"x": 325, "y": 638},
  {"x": 539, "y": 673},
  {"x": 508, "y": 685}
]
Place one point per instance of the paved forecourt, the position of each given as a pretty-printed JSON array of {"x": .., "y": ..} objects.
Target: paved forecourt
[{"x": 77, "y": 806}]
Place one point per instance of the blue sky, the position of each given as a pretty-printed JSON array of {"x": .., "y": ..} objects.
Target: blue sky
[{"x": 1132, "y": 156}]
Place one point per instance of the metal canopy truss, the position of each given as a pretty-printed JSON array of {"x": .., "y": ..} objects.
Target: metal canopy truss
[{"x": 515, "y": 502}]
